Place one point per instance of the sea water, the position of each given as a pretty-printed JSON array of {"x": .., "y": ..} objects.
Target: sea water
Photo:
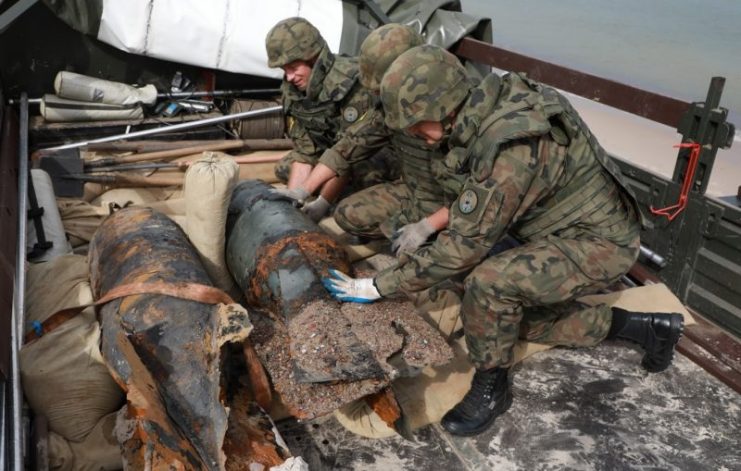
[{"x": 672, "y": 47}]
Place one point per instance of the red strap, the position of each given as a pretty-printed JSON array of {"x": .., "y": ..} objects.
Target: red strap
[
  {"x": 189, "y": 291},
  {"x": 673, "y": 211}
]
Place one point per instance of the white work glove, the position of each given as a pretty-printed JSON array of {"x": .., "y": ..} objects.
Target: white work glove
[
  {"x": 316, "y": 209},
  {"x": 298, "y": 195},
  {"x": 408, "y": 238},
  {"x": 347, "y": 289}
]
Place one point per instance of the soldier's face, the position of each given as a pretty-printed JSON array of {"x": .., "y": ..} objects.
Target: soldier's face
[
  {"x": 431, "y": 131},
  {"x": 298, "y": 73}
]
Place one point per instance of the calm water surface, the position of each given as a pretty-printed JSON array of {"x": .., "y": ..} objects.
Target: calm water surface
[{"x": 672, "y": 47}]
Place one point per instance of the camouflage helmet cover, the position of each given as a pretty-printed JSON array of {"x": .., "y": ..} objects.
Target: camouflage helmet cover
[
  {"x": 292, "y": 39},
  {"x": 425, "y": 83},
  {"x": 381, "y": 47}
]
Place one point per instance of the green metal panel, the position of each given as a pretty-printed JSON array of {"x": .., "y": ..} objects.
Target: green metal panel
[{"x": 702, "y": 247}]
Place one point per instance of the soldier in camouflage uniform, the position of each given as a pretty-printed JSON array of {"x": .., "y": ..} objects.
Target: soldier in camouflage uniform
[
  {"x": 531, "y": 167},
  {"x": 321, "y": 100},
  {"x": 388, "y": 208},
  {"x": 411, "y": 210}
]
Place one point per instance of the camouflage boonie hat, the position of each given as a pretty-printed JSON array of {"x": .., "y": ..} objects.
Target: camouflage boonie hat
[
  {"x": 425, "y": 83},
  {"x": 292, "y": 39},
  {"x": 381, "y": 47}
]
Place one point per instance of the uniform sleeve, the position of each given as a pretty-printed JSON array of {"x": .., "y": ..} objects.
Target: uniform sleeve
[
  {"x": 358, "y": 142},
  {"x": 479, "y": 217}
]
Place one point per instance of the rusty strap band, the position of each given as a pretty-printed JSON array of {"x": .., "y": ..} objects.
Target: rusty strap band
[{"x": 188, "y": 291}]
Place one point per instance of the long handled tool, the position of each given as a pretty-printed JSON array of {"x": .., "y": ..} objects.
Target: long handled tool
[
  {"x": 69, "y": 162},
  {"x": 247, "y": 159},
  {"x": 252, "y": 144},
  {"x": 111, "y": 176},
  {"x": 174, "y": 127}
]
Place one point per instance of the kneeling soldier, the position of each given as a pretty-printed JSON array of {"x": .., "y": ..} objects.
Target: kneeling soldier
[{"x": 532, "y": 169}]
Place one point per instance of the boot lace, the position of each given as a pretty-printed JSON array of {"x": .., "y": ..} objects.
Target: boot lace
[{"x": 480, "y": 394}]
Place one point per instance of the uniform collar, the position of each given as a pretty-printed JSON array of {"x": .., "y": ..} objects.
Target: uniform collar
[
  {"x": 481, "y": 99},
  {"x": 319, "y": 70}
]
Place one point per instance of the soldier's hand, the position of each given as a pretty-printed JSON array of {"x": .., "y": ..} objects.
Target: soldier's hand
[
  {"x": 298, "y": 195},
  {"x": 347, "y": 289},
  {"x": 316, "y": 209},
  {"x": 410, "y": 237}
]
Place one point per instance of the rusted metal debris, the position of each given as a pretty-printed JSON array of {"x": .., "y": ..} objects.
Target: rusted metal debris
[
  {"x": 320, "y": 354},
  {"x": 164, "y": 351},
  {"x": 278, "y": 257},
  {"x": 400, "y": 339},
  {"x": 251, "y": 438}
]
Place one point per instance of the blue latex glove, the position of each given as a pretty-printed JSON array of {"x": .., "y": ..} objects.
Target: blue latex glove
[{"x": 347, "y": 289}]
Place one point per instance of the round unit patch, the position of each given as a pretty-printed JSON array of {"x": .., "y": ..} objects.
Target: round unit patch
[
  {"x": 350, "y": 114},
  {"x": 468, "y": 201}
]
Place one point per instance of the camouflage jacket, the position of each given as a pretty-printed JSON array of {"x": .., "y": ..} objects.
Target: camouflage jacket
[
  {"x": 422, "y": 167},
  {"x": 334, "y": 100},
  {"x": 359, "y": 141},
  {"x": 532, "y": 168}
]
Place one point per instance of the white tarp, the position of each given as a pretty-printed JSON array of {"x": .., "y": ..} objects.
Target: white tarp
[{"x": 218, "y": 34}]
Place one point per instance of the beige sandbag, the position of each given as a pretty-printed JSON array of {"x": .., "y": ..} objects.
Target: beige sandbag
[
  {"x": 98, "y": 451},
  {"x": 63, "y": 373},
  {"x": 81, "y": 219},
  {"x": 209, "y": 183},
  {"x": 427, "y": 397}
]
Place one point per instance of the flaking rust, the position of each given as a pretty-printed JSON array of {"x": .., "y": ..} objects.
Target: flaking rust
[
  {"x": 320, "y": 354},
  {"x": 278, "y": 257},
  {"x": 163, "y": 350}
]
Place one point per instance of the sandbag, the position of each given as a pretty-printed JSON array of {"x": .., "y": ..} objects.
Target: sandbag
[
  {"x": 209, "y": 183},
  {"x": 81, "y": 219},
  {"x": 63, "y": 373},
  {"x": 50, "y": 219},
  {"x": 84, "y": 88},
  {"x": 98, "y": 451},
  {"x": 56, "y": 109}
]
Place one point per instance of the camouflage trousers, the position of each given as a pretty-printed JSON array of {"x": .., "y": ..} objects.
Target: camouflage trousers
[
  {"x": 369, "y": 212},
  {"x": 379, "y": 168},
  {"x": 528, "y": 292}
]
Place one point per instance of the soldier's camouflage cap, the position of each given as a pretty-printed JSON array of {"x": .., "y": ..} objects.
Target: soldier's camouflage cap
[
  {"x": 292, "y": 39},
  {"x": 424, "y": 83},
  {"x": 381, "y": 47}
]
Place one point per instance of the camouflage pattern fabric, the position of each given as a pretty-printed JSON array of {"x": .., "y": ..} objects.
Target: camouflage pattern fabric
[
  {"x": 359, "y": 141},
  {"x": 368, "y": 212},
  {"x": 292, "y": 39},
  {"x": 318, "y": 119},
  {"x": 539, "y": 276},
  {"x": 526, "y": 161},
  {"x": 425, "y": 83},
  {"x": 382, "y": 46}
]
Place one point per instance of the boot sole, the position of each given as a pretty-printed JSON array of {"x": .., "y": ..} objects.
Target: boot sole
[
  {"x": 505, "y": 407},
  {"x": 676, "y": 329}
]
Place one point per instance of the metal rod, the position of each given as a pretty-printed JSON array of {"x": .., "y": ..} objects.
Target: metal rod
[
  {"x": 216, "y": 93},
  {"x": 174, "y": 127},
  {"x": 3, "y": 424},
  {"x": 193, "y": 94},
  {"x": 653, "y": 257},
  {"x": 19, "y": 285}
]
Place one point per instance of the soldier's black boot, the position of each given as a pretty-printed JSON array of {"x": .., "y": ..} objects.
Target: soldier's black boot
[
  {"x": 657, "y": 333},
  {"x": 488, "y": 398}
]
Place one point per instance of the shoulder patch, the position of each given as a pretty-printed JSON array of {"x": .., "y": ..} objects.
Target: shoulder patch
[
  {"x": 350, "y": 114},
  {"x": 468, "y": 201}
]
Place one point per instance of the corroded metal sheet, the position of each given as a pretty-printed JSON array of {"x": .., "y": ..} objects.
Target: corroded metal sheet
[
  {"x": 163, "y": 350},
  {"x": 278, "y": 257}
]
